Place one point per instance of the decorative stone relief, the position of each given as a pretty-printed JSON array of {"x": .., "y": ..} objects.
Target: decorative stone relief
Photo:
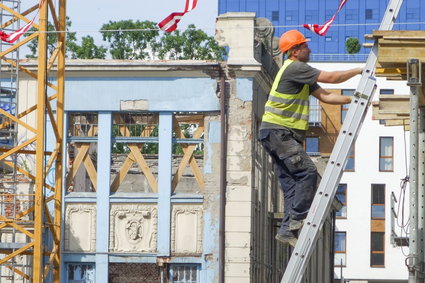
[
  {"x": 133, "y": 228},
  {"x": 80, "y": 227},
  {"x": 186, "y": 229}
]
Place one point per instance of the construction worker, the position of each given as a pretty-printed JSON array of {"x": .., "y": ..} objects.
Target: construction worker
[{"x": 284, "y": 125}]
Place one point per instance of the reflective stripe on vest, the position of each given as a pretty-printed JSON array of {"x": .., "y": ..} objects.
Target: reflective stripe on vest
[{"x": 288, "y": 110}]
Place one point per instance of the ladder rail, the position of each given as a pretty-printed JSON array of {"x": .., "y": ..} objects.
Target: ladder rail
[{"x": 327, "y": 189}]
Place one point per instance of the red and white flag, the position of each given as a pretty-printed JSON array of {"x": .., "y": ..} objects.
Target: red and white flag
[
  {"x": 14, "y": 36},
  {"x": 322, "y": 30},
  {"x": 169, "y": 24}
]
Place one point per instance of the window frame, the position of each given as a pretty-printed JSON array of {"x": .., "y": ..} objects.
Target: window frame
[
  {"x": 384, "y": 157},
  {"x": 373, "y": 204},
  {"x": 69, "y": 264},
  {"x": 368, "y": 14},
  {"x": 386, "y": 91},
  {"x": 344, "y": 251},
  {"x": 275, "y": 16},
  {"x": 351, "y": 15},
  {"x": 344, "y": 204},
  {"x": 345, "y": 107},
  {"x": 377, "y": 252},
  {"x": 191, "y": 265},
  {"x": 312, "y": 153},
  {"x": 351, "y": 156}
]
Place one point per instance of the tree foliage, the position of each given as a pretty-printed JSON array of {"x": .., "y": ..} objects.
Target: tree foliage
[
  {"x": 352, "y": 45},
  {"x": 191, "y": 44},
  {"x": 127, "y": 41},
  {"x": 87, "y": 50},
  {"x": 52, "y": 39},
  {"x": 142, "y": 40}
]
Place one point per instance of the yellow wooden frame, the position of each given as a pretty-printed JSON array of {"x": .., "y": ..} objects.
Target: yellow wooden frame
[
  {"x": 83, "y": 158},
  {"x": 188, "y": 149},
  {"x": 135, "y": 156}
]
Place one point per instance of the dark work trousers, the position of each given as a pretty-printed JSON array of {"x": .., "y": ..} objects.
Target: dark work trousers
[{"x": 296, "y": 172}]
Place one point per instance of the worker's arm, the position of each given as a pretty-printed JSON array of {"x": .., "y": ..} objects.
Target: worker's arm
[
  {"x": 336, "y": 77},
  {"x": 330, "y": 97}
]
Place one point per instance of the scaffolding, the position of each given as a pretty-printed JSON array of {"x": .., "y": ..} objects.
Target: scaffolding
[
  {"x": 11, "y": 202},
  {"x": 30, "y": 205}
]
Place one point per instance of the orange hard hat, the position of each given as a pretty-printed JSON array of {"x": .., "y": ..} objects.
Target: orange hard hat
[{"x": 289, "y": 39}]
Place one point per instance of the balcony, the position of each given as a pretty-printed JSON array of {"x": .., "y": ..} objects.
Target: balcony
[{"x": 338, "y": 57}]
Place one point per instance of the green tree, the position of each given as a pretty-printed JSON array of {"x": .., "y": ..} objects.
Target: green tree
[
  {"x": 142, "y": 40},
  {"x": 52, "y": 39},
  {"x": 352, "y": 45},
  {"x": 191, "y": 44},
  {"x": 127, "y": 41},
  {"x": 87, "y": 50}
]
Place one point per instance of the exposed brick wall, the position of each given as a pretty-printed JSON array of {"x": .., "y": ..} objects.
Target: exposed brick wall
[{"x": 9, "y": 203}]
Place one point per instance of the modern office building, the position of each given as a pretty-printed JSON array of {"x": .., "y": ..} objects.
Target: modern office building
[
  {"x": 368, "y": 239},
  {"x": 357, "y": 18}
]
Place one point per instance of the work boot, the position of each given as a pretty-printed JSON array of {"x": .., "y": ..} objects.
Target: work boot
[
  {"x": 295, "y": 225},
  {"x": 287, "y": 238}
]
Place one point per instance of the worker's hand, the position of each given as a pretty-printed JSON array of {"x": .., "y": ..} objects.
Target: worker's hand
[
  {"x": 349, "y": 100},
  {"x": 361, "y": 69}
]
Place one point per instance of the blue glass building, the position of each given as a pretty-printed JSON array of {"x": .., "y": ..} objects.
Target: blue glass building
[{"x": 357, "y": 18}]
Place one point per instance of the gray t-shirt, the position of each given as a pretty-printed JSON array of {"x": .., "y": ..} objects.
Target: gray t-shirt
[
  {"x": 296, "y": 75},
  {"x": 293, "y": 79}
]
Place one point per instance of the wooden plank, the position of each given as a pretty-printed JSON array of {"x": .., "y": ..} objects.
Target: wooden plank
[
  {"x": 399, "y": 54},
  {"x": 388, "y": 42},
  {"x": 384, "y": 72},
  {"x": 188, "y": 157},
  {"x": 194, "y": 165},
  {"x": 396, "y": 47},
  {"x": 144, "y": 166},
  {"x": 398, "y": 33},
  {"x": 190, "y": 119},
  {"x": 198, "y": 173},
  {"x": 91, "y": 170},
  {"x": 397, "y": 104},
  {"x": 134, "y": 157},
  {"x": 188, "y": 153},
  {"x": 400, "y": 122},
  {"x": 377, "y": 115},
  {"x": 82, "y": 150},
  {"x": 377, "y": 225},
  {"x": 119, "y": 178}
]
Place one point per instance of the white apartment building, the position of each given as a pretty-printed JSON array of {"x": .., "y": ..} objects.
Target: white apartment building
[{"x": 365, "y": 249}]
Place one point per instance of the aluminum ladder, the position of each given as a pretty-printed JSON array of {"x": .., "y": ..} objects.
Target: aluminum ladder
[{"x": 326, "y": 191}]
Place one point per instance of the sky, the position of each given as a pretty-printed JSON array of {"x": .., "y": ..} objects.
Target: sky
[{"x": 87, "y": 16}]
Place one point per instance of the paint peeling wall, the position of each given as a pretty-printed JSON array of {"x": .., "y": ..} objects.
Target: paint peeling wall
[{"x": 239, "y": 170}]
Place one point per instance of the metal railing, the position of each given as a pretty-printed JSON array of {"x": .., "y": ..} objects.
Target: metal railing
[{"x": 338, "y": 57}]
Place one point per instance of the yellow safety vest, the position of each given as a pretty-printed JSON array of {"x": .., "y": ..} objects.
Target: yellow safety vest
[{"x": 288, "y": 110}]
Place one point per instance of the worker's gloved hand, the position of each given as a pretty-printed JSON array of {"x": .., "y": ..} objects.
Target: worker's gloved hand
[{"x": 361, "y": 69}]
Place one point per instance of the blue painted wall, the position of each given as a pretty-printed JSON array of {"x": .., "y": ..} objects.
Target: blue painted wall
[
  {"x": 357, "y": 18},
  {"x": 162, "y": 94}
]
